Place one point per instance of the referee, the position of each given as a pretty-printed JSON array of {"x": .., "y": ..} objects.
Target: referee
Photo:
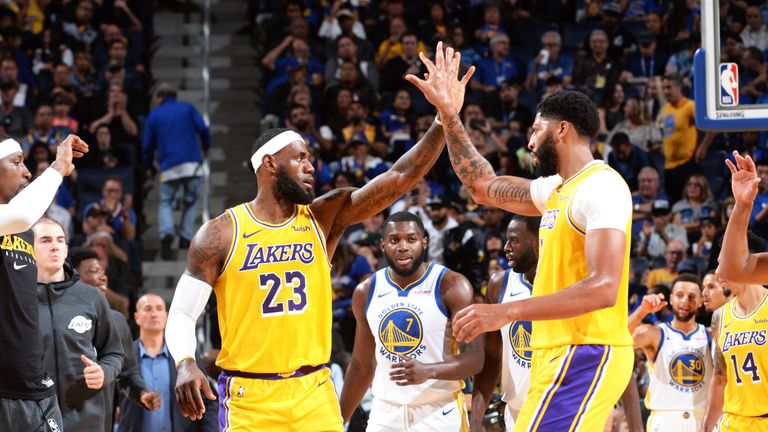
[{"x": 27, "y": 397}]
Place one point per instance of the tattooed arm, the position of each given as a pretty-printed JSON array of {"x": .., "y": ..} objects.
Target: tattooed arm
[
  {"x": 207, "y": 253},
  {"x": 506, "y": 192},
  {"x": 715, "y": 397},
  {"x": 343, "y": 207}
]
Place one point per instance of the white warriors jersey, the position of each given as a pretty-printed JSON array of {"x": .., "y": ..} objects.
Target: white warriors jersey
[
  {"x": 411, "y": 321},
  {"x": 682, "y": 370},
  {"x": 516, "y": 340}
]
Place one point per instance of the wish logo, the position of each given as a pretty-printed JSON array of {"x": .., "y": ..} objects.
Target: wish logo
[
  {"x": 80, "y": 324},
  {"x": 687, "y": 371},
  {"x": 520, "y": 341},
  {"x": 401, "y": 332}
]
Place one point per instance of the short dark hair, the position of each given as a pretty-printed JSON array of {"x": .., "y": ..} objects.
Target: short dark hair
[
  {"x": 573, "y": 107},
  {"x": 756, "y": 54},
  {"x": 619, "y": 138},
  {"x": 404, "y": 216},
  {"x": 409, "y": 33},
  {"x": 531, "y": 222},
  {"x": 686, "y": 277},
  {"x": 676, "y": 79},
  {"x": 77, "y": 256}
]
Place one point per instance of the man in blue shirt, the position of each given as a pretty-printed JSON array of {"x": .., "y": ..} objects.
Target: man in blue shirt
[
  {"x": 159, "y": 372},
  {"x": 549, "y": 63},
  {"x": 498, "y": 67},
  {"x": 172, "y": 130}
]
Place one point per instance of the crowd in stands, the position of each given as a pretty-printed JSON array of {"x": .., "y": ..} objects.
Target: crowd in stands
[
  {"x": 334, "y": 72},
  {"x": 81, "y": 67}
]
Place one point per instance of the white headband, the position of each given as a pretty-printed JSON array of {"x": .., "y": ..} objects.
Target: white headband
[
  {"x": 273, "y": 146},
  {"x": 9, "y": 147}
]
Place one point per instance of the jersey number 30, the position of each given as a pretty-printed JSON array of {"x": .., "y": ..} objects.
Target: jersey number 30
[{"x": 273, "y": 283}]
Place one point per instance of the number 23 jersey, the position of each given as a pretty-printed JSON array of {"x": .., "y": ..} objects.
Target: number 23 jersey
[{"x": 274, "y": 295}]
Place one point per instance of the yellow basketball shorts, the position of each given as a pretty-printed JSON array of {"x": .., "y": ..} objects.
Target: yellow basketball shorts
[
  {"x": 305, "y": 403},
  {"x": 574, "y": 387},
  {"x": 736, "y": 423}
]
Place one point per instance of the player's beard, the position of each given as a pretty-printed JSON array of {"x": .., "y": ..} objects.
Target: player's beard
[
  {"x": 525, "y": 263},
  {"x": 411, "y": 269},
  {"x": 683, "y": 318},
  {"x": 290, "y": 190},
  {"x": 547, "y": 156}
]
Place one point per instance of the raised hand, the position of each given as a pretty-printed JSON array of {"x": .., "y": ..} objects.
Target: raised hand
[
  {"x": 744, "y": 179},
  {"x": 71, "y": 147},
  {"x": 441, "y": 86},
  {"x": 653, "y": 303}
]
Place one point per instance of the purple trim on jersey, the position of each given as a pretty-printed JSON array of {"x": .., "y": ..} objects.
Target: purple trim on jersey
[
  {"x": 438, "y": 300},
  {"x": 224, "y": 384},
  {"x": 578, "y": 386},
  {"x": 563, "y": 368}
]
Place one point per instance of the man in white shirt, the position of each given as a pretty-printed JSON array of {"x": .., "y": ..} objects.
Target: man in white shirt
[{"x": 756, "y": 32}]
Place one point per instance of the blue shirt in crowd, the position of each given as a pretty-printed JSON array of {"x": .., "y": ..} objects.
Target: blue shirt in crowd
[
  {"x": 172, "y": 129},
  {"x": 157, "y": 374}
]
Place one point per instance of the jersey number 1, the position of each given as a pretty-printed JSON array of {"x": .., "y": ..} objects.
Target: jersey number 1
[{"x": 273, "y": 283}]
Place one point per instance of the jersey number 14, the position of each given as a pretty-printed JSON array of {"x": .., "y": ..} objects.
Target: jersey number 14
[{"x": 748, "y": 367}]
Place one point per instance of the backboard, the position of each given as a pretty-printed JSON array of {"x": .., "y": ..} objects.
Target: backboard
[{"x": 719, "y": 104}]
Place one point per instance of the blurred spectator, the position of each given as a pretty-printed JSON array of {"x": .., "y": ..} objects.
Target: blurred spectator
[
  {"x": 61, "y": 118},
  {"x": 117, "y": 117},
  {"x": 61, "y": 84},
  {"x": 361, "y": 164},
  {"x": 16, "y": 120},
  {"x": 359, "y": 129},
  {"x": 301, "y": 120},
  {"x": 348, "y": 270},
  {"x": 646, "y": 62},
  {"x": 755, "y": 34},
  {"x": 440, "y": 221},
  {"x": 498, "y": 67},
  {"x": 628, "y": 159},
  {"x": 654, "y": 24},
  {"x": 611, "y": 109},
  {"x": 469, "y": 55},
  {"x": 491, "y": 24},
  {"x": 391, "y": 47},
  {"x": 121, "y": 217},
  {"x": 79, "y": 31},
  {"x": 44, "y": 131},
  {"x": 105, "y": 154},
  {"x": 674, "y": 254},
  {"x": 620, "y": 39},
  {"x": 597, "y": 70},
  {"x": 408, "y": 62},
  {"x": 707, "y": 231},
  {"x": 697, "y": 203},
  {"x": 638, "y": 127},
  {"x": 435, "y": 27},
  {"x": 681, "y": 60},
  {"x": 84, "y": 78},
  {"x": 351, "y": 79},
  {"x": 549, "y": 62},
  {"x": 514, "y": 116},
  {"x": 347, "y": 52},
  {"x": 289, "y": 53},
  {"x": 339, "y": 21},
  {"x": 753, "y": 76},
  {"x": 732, "y": 49},
  {"x": 648, "y": 191},
  {"x": 172, "y": 129},
  {"x": 9, "y": 71},
  {"x": 656, "y": 237},
  {"x": 678, "y": 123},
  {"x": 397, "y": 119}
]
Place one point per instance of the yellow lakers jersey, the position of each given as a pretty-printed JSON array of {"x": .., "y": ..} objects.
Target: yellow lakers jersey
[
  {"x": 274, "y": 295},
  {"x": 743, "y": 343},
  {"x": 563, "y": 262}
]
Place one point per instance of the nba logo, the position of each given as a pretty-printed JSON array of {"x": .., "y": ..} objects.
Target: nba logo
[{"x": 729, "y": 84}]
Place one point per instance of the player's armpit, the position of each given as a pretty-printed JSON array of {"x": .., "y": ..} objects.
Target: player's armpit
[{"x": 209, "y": 248}]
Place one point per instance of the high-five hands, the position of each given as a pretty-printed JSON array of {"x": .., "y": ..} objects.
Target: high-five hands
[{"x": 441, "y": 84}]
